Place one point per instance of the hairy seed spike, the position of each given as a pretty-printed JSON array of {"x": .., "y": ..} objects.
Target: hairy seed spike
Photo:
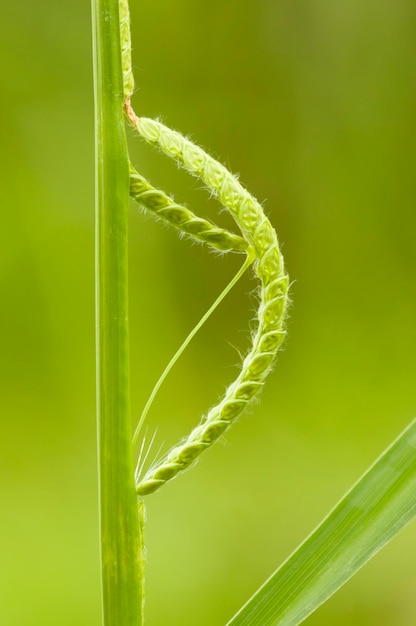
[
  {"x": 163, "y": 206},
  {"x": 125, "y": 41},
  {"x": 269, "y": 268},
  {"x": 259, "y": 241}
]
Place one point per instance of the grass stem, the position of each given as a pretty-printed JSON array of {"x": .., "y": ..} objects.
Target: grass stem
[{"x": 120, "y": 527}]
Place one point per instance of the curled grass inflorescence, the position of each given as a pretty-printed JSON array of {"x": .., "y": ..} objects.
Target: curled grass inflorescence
[
  {"x": 258, "y": 241},
  {"x": 261, "y": 239}
]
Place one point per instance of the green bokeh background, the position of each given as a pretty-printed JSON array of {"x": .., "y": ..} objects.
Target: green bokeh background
[{"x": 312, "y": 102}]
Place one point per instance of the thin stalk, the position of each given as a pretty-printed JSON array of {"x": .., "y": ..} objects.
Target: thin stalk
[
  {"x": 120, "y": 527},
  {"x": 249, "y": 261}
]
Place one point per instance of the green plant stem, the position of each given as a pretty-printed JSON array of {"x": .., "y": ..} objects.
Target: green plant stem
[{"x": 120, "y": 527}]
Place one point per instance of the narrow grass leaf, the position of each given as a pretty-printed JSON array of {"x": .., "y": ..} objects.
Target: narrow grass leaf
[{"x": 377, "y": 507}]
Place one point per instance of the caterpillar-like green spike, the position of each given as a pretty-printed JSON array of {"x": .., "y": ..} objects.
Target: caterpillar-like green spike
[
  {"x": 164, "y": 207},
  {"x": 260, "y": 241},
  {"x": 269, "y": 268},
  {"x": 125, "y": 43}
]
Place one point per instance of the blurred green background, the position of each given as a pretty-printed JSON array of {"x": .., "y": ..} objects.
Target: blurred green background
[{"x": 312, "y": 102}]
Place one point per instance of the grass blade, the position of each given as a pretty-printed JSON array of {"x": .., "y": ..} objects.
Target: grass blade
[{"x": 377, "y": 507}]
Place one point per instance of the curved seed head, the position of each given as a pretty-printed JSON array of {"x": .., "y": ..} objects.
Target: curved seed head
[{"x": 259, "y": 239}]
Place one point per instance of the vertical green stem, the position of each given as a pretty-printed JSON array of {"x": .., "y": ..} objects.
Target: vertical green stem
[{"x": 121, "y": 536}]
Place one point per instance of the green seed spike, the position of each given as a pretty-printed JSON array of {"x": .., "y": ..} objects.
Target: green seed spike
[
  {"x": 125, "y": 41},
  {"x": 259, "y": 241},
  {"x": 164, "y": 207},
  {"x": 269, "y": 268}
]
